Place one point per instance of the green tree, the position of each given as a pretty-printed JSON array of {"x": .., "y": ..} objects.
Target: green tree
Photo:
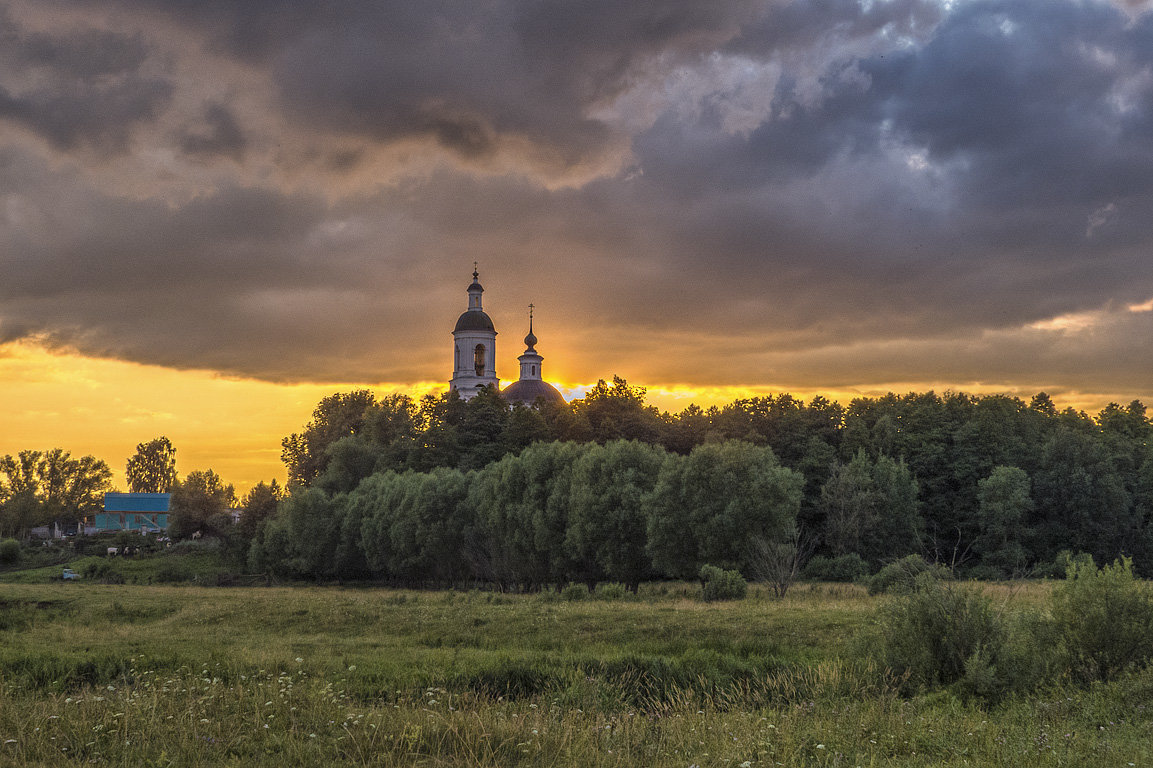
[
  {"x": 1004, "y": 506},
  {"x": 258, "y": 505},
  {"x": 618, "y": 412},
  {"x": 871, "y": 508},
  {"x": 849, "y": 501},
  {"x": 45, "y": 486},
  {"x": 522, "y": 505},
  {"x": 607, "y": 522},
  {"x": 152, "y": 469},
  {"x": 721, "y": 505},
  {"x": 305, "y": 453},
  {"x": 1082, "y": 503},
  {"x": 201, "y": 502}
]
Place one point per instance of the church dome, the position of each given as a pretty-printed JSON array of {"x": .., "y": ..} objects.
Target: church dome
[
  {"x": 526, "y": 391},
  {"x": 530, "y": 340},
  {"x": 474, "y": 320}
]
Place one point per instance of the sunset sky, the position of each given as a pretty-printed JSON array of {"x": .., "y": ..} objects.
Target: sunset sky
[{"x": 214, "y": 213}]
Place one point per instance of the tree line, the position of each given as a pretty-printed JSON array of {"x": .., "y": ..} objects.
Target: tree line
[
  {"x": 556, "y": 512},
  {"x": 988, "y": 483}
]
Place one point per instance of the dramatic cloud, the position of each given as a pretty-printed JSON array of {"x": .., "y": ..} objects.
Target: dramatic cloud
[{"x": 802, "y": 192}]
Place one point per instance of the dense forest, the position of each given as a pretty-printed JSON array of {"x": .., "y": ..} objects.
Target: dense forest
[{"x": 445, "y": 491}]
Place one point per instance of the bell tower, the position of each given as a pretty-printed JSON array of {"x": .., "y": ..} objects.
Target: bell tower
[{"x": 474, "y": 346}]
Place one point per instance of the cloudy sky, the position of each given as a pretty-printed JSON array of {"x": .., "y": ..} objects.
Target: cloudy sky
[{"x": 265, "y": 199}]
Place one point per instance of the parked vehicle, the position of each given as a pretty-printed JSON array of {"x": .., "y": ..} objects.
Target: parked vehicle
[{"x": 70, "y": 574}]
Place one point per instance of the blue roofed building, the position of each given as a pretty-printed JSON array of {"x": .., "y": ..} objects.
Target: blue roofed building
[{"x": 144, "y": 512}]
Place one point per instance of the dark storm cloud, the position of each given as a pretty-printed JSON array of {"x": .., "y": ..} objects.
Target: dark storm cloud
[
  {"x": 221, "y": 135},
  {"x": 466, "y": 75},
  {"x": 79, "y": 88},
  {"x": 772, "y": 187}
]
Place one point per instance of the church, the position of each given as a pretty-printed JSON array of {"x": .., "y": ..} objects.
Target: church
[{"x": 474, "y": 356}]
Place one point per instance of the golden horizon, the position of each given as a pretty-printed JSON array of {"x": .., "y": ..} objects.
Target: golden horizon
[{"x": 105, "y": 407}]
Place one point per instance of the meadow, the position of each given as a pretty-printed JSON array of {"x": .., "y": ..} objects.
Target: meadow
[{"x": 139, "y": 675}]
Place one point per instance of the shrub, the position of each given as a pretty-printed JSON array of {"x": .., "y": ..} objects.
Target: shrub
[
  {"x": 9, "y": 552},
  {"x": 105, "y": 570},
  {"x": 900, "y": 576},
  {"x": 574, "y": 592},
  {"x": 1104, "y": 619},
  {"x": 1060, "y": 565},
  {"x": 612, "y": 591},
  {"x": 171, "y": 572},
  {"x": 718, "y": 584},
  {"x": 942, "y": 634},
  {"x": 848, "y": 567}
]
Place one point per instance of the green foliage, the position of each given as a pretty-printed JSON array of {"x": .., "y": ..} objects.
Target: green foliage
[
  {"x": 842, "y": 568},
  {"x": 258, "y": 505},
  {"x": 9, "y": 552},
  {"x": 201, "y": 502},
  {"x": 606, "y": 532},
  {"x": 937, "y": 633},
  {"x": 1104, "y": 619},
  {"x": 719, "y": 584},
  {"x": 102, "y": 569},
  {"x": 871, "y": 508},
  {"x": 40, "y": 487},
  {"x": 305, "y": 454},
  {"x": 573, "y": 592},
  {"x": 1004, "y": 506},
  {"x": 173, "y": 570},
  {"x": 902, "y": 575},
  {"x": 707, "y": 506},
  {"x": 611, "y": 591},
  {"x": 152, "y": 469}
]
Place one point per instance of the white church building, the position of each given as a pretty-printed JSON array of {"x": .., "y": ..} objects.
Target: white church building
[{"x": 474, "y": 356}]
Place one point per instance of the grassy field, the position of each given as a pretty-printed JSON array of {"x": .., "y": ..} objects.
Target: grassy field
[{"x": 138, "y": 675}]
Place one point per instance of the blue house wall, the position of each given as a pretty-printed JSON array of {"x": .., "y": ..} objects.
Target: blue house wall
[{"x": 134, "y": 512}]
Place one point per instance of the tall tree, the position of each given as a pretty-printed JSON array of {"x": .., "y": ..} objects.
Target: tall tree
[
  {"x": 1005, "y": 505},
  {"x": 201, "y": 502},
  {"x": 153, "y": 468},
  {"x": 719, "y": 505},
  {"x": 305, "y": 453},
  {"x": 258, "y": 505},
  {"x": 607, "y": 521}
]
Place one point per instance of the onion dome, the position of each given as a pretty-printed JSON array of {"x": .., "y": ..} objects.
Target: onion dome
[
  {"x": 474, "y": 320},
  {"x": 527, "y": 391}
]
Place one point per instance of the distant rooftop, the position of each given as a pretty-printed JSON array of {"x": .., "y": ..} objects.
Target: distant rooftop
[{"x": 137, "y": 502}]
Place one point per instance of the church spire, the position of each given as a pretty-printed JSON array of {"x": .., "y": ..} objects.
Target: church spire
[{"x": 530, "y": 340}]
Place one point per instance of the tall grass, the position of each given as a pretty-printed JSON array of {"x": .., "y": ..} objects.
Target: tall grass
[{"x": 185, "y": 676}]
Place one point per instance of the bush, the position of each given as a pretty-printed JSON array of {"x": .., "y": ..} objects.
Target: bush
[
  {"x": 718, "y": 584},
  {"x": 942, "y": 634},
  {"x": 848, "y": 567},
  {"x": 1104, "y": 619},
  {"x": 611, "y": 591},
  {"x": 574, "y": 592},
  {"x": 170, "y": 572},
  {"x": 101, "y": 569},
  {"x": 9, "y": 552},
  {"x": 1059, "y": 567},
  {"x": 900, "y": 576}
]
